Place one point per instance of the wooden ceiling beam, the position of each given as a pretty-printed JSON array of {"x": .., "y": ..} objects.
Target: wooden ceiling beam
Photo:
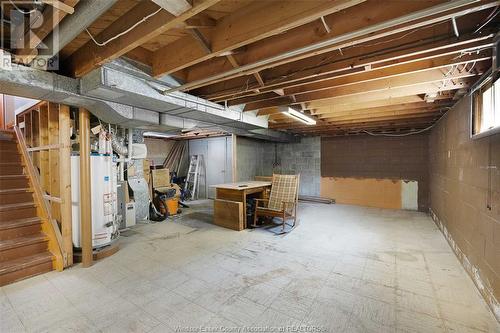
[
  {"x": 200, "y": 21},
  {"x": 403, "y": 127},
  {"x": 389, "y": 114},
  {"x": 388, "y": 108},
  {"x": 297, "y": 124},
  {"x": 417, "y": 92},
  {"x": 373, "y": 75},
  {"x": 90, "y": 55},
  {"x": 50, "y": 19},
  {"x": 375, "y": 112},
  {"x": 390, "y": 103},
  {"x": 279, "y": 50},
  {"x": 140, "y": 54},
  {"x": 254, "y": 22},
  {"x": 353, "y": 60},
  {"x": 406, "y": 84},
  {"x": 351, "y": 106},
  {"x": 363, "y": 125}
]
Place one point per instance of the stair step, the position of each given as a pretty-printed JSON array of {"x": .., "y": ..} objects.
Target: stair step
[
  {"x": 9, "y": 244},
  {"x": 11, "y": 168},
  {"x": 13, "y": 181},
  {"x": 15, "y": 206},
  {"x": 16, "y": 190},
  {"x": 19, "y": 223},
  {"x": 21, "y": 268},
  {"x": 23, "y": 246},
  {"x": 15, "y": 195},
  {"x": 19, "y": 213},
  {"x": 9, "y": 150},
  {"x": 8, "y": 145},
  {"x": 16, "y": 228},
  {"x": 13, "y": 176}
]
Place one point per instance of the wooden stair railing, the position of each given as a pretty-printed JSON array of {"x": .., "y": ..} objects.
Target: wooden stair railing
[{"x": 49, "y": 224}]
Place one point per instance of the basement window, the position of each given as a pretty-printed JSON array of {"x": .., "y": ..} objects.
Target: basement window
[{"x": 486, "y": 108}]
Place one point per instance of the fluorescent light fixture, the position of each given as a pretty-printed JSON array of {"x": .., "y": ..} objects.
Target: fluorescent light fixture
[
  {"x": 297, "y": 115},
  {"x": 158, "y": 135}
]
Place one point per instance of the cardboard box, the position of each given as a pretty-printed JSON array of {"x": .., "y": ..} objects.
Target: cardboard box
[{"x": 160, "y": 177}]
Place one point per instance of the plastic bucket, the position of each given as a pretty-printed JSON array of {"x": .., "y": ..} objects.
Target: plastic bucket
[{"x": 172, "y": 206}]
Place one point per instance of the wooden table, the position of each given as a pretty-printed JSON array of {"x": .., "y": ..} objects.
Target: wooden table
[{"x": 230, "y": 202}]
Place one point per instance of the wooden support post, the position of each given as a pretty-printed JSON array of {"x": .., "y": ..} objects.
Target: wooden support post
[
  {"x": 35, "y": 139},
  {"x": 54, "y": 175},
  {"x": 44, "y": 140},
  {"x": 65, "y": 182},
  {"x": 2, "y": 113},
  {"x": 85, "y": 203}
]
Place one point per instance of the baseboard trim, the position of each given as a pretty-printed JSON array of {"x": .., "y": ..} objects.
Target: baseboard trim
[{"x": 472, "y": 270}]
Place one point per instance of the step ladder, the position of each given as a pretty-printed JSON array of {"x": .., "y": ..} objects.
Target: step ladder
[{"x": 192, "y": 179}]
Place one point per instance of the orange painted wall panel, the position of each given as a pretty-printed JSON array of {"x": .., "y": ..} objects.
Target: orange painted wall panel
[{"x": 381, "y": 193}]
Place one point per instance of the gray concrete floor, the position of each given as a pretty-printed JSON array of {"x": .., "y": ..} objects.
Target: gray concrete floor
[{"x": 343, "y": 269}]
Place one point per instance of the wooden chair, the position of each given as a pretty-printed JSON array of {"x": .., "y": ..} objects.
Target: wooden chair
[{"x": 282, "y": 201}]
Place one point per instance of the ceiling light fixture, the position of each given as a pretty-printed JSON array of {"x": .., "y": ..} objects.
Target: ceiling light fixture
[{"x": 297, "y": 115}]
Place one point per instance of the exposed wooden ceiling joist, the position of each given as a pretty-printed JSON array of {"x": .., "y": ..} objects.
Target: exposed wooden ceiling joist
[
  {"x": 385, "y": 53},
  {"x": 275, "y": 51},
  {"x": 436, "y": 77},
  {"x": 386, "y": 123},
  {"x": 445, "y": 63},
  {"x": 247, "y": 25},
  {"x": 41, "y": 28},
  {"x": 90, "y": 55}
]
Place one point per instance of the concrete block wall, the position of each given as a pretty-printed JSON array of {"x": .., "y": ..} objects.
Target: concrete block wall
[
  {"x": 302, "y": 158},
  {"x": 262, "y": 158},
  {"x": 465, "y": 197},
  {"x": 364, "y": 156},
  {"x": 250, "y": 158}
]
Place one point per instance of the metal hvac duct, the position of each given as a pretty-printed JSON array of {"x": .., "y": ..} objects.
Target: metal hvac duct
[{"x": 130, "y": 101}]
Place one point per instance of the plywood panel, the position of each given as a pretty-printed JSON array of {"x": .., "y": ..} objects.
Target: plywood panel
[
  {"x": 229, "y": 214},
  {"x": 381, "y": 193}
]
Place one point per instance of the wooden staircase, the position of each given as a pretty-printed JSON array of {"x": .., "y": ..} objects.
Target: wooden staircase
[{"x": 24, "y": 247}]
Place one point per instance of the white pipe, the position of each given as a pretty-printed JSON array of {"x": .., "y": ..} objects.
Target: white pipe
[
  {"x": 130, "y": 138},
  {"x": 455, "y": 27}
]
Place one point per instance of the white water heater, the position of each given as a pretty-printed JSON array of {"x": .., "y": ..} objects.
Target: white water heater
[{"x": 103, "y": 199}]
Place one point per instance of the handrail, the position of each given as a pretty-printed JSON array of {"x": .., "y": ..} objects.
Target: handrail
[
  {"x": 46, "y": 147},
  {"x": 49, "y": 225}
]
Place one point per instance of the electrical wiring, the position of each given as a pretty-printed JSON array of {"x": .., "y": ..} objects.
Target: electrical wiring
[
  {"x": 398, "y": 135},
  {"x": 144, "y": 19},
  {"x": 490, "y": 17},
  {"x": 22, "y": 11}
]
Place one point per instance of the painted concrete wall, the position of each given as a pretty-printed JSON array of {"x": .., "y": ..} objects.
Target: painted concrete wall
[
  {"x": 368, "y": 157},
  {"x": 302, "y": 158},
  {"x": 216, "y": 163},
  {"x": 465, "y": 197},
  {"x": 250, "y": 158},
  {"x": 262, "y": 158}
]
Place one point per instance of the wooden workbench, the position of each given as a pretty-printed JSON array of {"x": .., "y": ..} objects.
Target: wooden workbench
[{"x": 230, "y": 202}]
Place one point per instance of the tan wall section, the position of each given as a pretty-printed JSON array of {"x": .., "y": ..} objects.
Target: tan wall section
[
  {"x": 465, "y": 196},
  {"x": 369, "y": 157},
  {"x": 381, "y": 193}
]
